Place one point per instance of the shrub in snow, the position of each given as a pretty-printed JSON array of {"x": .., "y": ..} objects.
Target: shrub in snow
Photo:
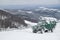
[
  {"x": 36, "y": 29},
  {"x": 50, "y": 25},
  {"x": 41, "y": 26}
]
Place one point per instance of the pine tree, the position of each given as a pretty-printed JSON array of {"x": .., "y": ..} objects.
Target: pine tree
[{"x": 50, "y": 26}]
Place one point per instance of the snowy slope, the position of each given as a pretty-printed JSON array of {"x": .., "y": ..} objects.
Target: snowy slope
[
  {"x": 26, "y": 34},
  {"x": 30, "y": 23}
]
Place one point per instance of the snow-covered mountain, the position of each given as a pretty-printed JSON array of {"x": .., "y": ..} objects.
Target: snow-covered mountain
[
  {"x": 28, "y": 17},
  {"x": 43, "y": 8},
  {"x": 9, "y": 20},
  {"x": 34, "y": 14}
]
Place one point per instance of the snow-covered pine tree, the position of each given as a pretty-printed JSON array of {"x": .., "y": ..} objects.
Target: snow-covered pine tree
[
  {"x": 40, "y": 26},
  {"x": 50, "y": 25}
]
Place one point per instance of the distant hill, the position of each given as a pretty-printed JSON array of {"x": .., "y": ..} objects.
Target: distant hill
[
  {"x": 6, "y": 18},
  {"x": 34, "y": 14}
]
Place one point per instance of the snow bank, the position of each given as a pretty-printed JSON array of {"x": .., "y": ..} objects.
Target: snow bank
[{"x": 30, "y": 23}]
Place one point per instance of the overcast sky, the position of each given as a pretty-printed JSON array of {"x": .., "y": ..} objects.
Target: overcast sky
[{"x": 23, "y": 2}]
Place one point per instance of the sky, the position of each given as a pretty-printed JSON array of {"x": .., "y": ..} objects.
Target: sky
[{"x": 31, "y": 2}]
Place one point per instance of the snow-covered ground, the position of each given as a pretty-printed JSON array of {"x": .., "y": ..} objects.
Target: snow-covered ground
[
  {"x": 30, "y": 23},
  {"x": 26, "y": 34}
]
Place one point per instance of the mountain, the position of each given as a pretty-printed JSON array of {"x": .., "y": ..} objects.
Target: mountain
[
  {"x": 9, "y": 20},
  {"x": 48, "y": 12},
  {"x": 25, "y": 14},
  {"x": 34, "y": 14}
]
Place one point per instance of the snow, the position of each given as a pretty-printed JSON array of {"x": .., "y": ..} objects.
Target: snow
[
  {"x": 59, "y": 11},
  {"x": 4, "y": 10},
  {"x": 20, "y": 11},
  {"x": 29, "y": 12},
  {"x": 44, "y": 8},
  {"x": 26, "y": 34},
  {"x": 54, "y": 9},
  {"x": 41, "y": 8},
  {"x": 48, "y": 19},
  {"x": 30, "y": 23}
]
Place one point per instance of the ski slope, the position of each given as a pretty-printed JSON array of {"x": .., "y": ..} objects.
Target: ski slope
[{"x": 26, "y": 34}]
